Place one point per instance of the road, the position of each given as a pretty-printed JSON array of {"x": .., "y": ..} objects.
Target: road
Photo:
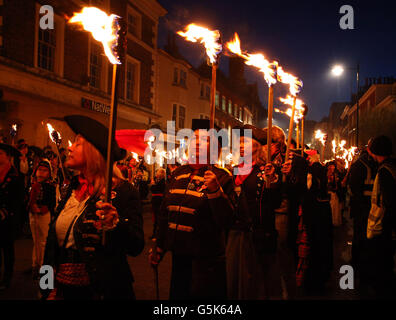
[{"x": 24, "y": 288}]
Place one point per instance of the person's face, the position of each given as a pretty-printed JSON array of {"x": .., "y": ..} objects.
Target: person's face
[
  {"x": 76, "y": 159},
  {"x": 24, "y": 150},
  {"x": 4, "y": 158},
  {"x": 42, "y": 173},
  {"x": 247, "y": 145},
  {"x": 200, "y": 143},
  {"x": 372, "y": 155},
  {"x": 132, "y": 162}
]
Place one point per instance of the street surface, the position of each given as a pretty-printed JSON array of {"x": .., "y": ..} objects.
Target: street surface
[{"x": 24, "y": 287}]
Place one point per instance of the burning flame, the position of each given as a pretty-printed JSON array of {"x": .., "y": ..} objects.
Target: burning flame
[
  {"x": 299, "y": 111},
  {"x": 104, "y": 29},
  {"x": 341, "y": 153},
  {"x": 210, "y": 39},
  {"x": 14, "y": 127},
  {"x": 319, "y": 135},
  {"x": 54, "y": 135},
  {"x": 295, "y": 84},
  {"x": 257, "y": 60},
  {"x": 70, "y": 143}
]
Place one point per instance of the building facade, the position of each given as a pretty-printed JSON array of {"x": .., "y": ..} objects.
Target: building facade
[
  {"x": 377, "y": 111},
  {"x": 48, "y": 73}
]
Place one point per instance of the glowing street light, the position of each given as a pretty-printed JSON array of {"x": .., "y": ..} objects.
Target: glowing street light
[{"x": 337, "y": 70}]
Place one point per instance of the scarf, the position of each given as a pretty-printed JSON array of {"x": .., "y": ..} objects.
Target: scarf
[
  {"x": 85, "y": 188},
  {"x": 240, "y": 178}
]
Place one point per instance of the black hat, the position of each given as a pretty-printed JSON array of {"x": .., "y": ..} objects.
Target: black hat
[
  {"x": 44, "y": 163},
  {"x": 257, "y": 134},
  {"x": 381, "y": 146},
  {"x": 200, "y": 124},
  {"x": 95, "y": 133},
  {"x": 10, "y": 150},
  {"x": 204, "y": 124}
]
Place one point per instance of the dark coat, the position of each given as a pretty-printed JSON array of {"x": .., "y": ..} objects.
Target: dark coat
[
  {"x": 12, "y": 203},
  {"x": 253, "y": 235},
  {"x": 192, "y": 224},
  {"x": 107, "y": 265},
  {"x": 318, "y": 221}
]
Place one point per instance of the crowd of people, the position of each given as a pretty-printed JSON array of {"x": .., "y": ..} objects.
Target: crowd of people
[{"x": 258, "y": 230}]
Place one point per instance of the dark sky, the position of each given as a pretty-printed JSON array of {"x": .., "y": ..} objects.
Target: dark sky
[{"x": 304, "y": 36}]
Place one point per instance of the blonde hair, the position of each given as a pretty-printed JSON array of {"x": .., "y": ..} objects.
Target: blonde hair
[{"x": 95, "y": 166}]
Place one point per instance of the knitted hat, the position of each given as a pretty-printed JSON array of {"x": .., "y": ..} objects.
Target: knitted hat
[
  {"x": 381, "y": 146},
  {"x": 44, "y": 163}
]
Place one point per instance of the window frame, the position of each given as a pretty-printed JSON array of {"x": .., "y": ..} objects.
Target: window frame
[{"x": 136, "y": 63}]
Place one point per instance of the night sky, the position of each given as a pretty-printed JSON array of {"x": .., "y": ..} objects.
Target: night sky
[{"x": 304, "y": 36}]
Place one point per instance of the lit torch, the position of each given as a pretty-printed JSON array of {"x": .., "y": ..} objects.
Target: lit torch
[
  {"x": 211, "y": 41},
  {"x": 295, "y": 86},
  {"x": 322, "y": 137},
  {"x": 111, "y": 32},
  {"x": 57, "y": 140},
  {"x": 269, "y": 72},
  {"x": 13, "y": 132}
]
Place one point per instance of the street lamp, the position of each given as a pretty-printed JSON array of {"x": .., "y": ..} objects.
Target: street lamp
[{"x": 337, "y": 71}]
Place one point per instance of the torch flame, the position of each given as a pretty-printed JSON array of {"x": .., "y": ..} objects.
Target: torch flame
[
  {"x": 257, "y": 60},
  {"x": 70, "y": 143},
  {"x": 210, "y": 39},
  {"x": 295, "y": 84},
  {"x": 54, "y": 135},
  {"x": 104, "y": 29},
  {"x": 319, "y": 135},
  {"x": 14, "y": 127},
  {"x": 299, "y": 112}
]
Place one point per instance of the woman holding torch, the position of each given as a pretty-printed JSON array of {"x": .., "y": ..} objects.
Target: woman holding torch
[
  {"x": 84, "y": 267},
  {"x": 252, "y": 239}
]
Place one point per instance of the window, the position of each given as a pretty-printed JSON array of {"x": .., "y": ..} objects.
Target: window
[
  {"x": 183, "y": 78},
  {"x": 240, "y": 114},
  {"x": 202, "y": 91},
  {"x": 208, "y": 92},
  {"x": 223, "y": 104},
  {"x": 95, "y": 65},
  {"x": 134, "y": 23},
  {"x": 131, "y": 81},
  {"x": 48, "y": 44},
  {"x": 217, "y": 100},
  {"x": 46, "y": 49},
  {"x": 230, "y": 107},
  {"x": 179, "y": 116},
  {"x": 175, "y": 76},
  {"x": 182, "y": 116},
  {"x": 236, "y": 109}
]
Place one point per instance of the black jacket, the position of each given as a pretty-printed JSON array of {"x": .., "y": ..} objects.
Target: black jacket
[
  {"x": 193, "y": 221},
  {"x": 107, "y": 265},
  {"x": 11, "y": 203}
]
